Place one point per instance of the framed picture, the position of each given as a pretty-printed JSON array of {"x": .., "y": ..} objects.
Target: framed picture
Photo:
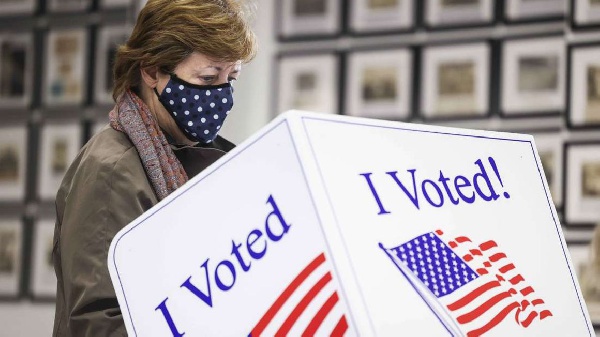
[
  {"x": 588, "y": 275},
  {"x": 109, "y": 39},
  {"x": 550, "y": 149},
  {"x": 68, "y": 5},
  {"x": 11, "y": 238},
  {"x": 583, "y": 96},
  {"x": 379, "y": 84},
  {"x": 114, "y": 3},
  {"x": 13, "y": 147},
  {"x": 59, "y": 146},
  {"x": 16, "y": 61},
  {"x": 585, "y": 14},
  {"x": 458, "y": 13},
  {"x": 533, "y": 77},
  {"x": 309, "y": 18},
  {"x": 455, "y": 81},
  {"x": 534, "y": 10},
  {"x": 369, "y": 16},
  {"x": 582, "y": 183},
  {"x": 12, "y": 7},
  {"x": 308, "y": 82},
  {"x": 43, "y": 278},
  {"x": 65, "y": 67}
]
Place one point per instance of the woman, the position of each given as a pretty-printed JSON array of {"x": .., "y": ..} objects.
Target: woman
[{"x": 172, "y": 92}]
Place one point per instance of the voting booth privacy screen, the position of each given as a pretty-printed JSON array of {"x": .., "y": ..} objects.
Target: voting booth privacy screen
[{"x": 342, "y": 226}]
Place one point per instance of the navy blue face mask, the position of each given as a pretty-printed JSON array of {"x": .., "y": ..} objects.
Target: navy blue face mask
[{"x": 198, "y": 110}]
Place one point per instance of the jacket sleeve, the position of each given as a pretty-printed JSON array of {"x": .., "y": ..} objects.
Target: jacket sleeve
[{"x": 100, "y": 202}]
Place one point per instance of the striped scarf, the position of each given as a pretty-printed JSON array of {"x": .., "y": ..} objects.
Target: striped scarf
[{"x": 133, "y": 117}]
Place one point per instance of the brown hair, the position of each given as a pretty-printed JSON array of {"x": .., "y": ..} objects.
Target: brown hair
[{"x": 167, "y": 31}]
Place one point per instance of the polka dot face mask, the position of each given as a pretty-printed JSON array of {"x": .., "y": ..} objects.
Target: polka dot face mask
[{"x": 198, "y": 110}]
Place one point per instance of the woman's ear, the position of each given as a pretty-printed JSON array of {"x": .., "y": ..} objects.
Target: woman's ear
[{"x": 150, "y": 76}]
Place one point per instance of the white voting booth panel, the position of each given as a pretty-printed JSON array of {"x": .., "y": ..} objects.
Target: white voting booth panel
[{"x": 341, "y": 226}]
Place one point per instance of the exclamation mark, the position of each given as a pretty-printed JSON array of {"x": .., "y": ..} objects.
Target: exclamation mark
[{"x": 495, "y": 167}]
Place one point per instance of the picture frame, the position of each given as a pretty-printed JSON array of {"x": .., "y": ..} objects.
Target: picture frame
[
  {"x": 458, "y": 13},
  {"x": 15, "y": 7},
  {"x": 378, "y": 16},
  {"x": 65, "y": 67},
  {"x": 109, "y": 38},
  {"x": 533, "y": 76},
  {"x": 43, "y": 282},
  {"x": 16, "y": 63},
  {"x": 583, "y": 86},
  {"x": 581, "y": 259},
  {"x": 585, "y": 14},
  {"x": 549, "y": 146},
  {"x": 301, "y": 19},
  {"x": 11, "y": 260},
  {"x": 308, "y": 82},
  {"x": 59, "y": 145},
  {"x": 379, "y": 84},
  {"x": 581, "y": 186},
  {"x": 68, "y": 5},
  {"x": 13, "y": 163},
  {"x": 455, "y": 81},
  {"x": 518, "y": 11},
  {"x": 114, "y": 3}
]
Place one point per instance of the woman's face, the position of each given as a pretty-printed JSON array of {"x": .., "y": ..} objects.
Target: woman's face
[{"x": 196, "y": 69}]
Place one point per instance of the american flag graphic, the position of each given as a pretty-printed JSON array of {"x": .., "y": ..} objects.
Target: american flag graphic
[
  {"x": 309, "y": 306},
  {"x": 470, "y": 288}
]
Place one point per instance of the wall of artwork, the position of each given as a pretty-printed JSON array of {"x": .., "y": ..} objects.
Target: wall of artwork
[{"x": 527, "y": 66}]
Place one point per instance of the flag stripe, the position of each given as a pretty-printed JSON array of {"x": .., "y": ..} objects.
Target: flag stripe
[
  {"x": 532, "y": 315},
  {"x": 286, "y": 294},
  {"x": 301, "y": 306},
  {"x": 340, "y": 327},
  {"x": 537, "y": 301},
  {"x": 473, "y": 295},
  {"x": 487, "y": 305},
  {"x": 494, "y": 321},
  {"x": 544, "y": 314},
  {"x": 506, "y": 268},
  {"x": 526, "y": 291},
  {"x": 488, "y": 245},
  {"x": 462, "y": 239},
  {"x": 497, "y": 256},
  {"x": 316, "y": 321}
]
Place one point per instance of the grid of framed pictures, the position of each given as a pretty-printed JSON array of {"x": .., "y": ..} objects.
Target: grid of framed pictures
[{"x": 55, "y": 90}]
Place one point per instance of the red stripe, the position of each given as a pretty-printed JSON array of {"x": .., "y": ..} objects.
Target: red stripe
[
  {"x": 544, "y": 314},
  {"x": 340, "y": 328},
  {"x": 537, "y": 301},
  {"x": 301, "y": 306},
  {"x": 475, "y": 252},
  {"x": 452, "y": 244},
  {"x": 316, "y": 321},
  {"x": 461, "y": 302},
  {"x": 506, "y": 268},
  {"x": 487, "y": 245},
  {"x": 482, "y": 271},
  {"x": 487, "y": 264},
  {"x": 497, "y": 257},
  {"x": 285, "y": 295},
  {"x": 467, "y": 257},
  {"x": 480, "y": 310},
  {"x": 439, "y": 232},
  {"x": 494, "y": 321},
  {"x": 516, "y": 279},
  {"x": 526, "y": 291},
  {"x": 532, "y": 315},
  {"x": 462, "y": 239}
]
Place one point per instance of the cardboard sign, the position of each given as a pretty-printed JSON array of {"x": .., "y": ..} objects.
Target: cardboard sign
[{"x": 332, "y": 225}]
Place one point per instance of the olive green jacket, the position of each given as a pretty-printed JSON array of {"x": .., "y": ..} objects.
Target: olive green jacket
[{"x": 104, "y": 189}]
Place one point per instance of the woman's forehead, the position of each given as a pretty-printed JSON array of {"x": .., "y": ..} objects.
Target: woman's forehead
[{"x": 198, "y": 61}]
